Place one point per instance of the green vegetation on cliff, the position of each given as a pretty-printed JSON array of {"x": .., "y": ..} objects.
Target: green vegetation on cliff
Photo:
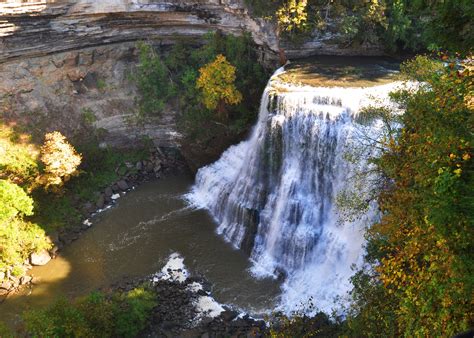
[
  {"x": 170, "y": 81},
  {"x": 411, "y": 25}
]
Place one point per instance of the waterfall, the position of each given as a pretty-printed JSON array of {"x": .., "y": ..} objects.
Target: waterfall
[{"x": 273, "y": 195}]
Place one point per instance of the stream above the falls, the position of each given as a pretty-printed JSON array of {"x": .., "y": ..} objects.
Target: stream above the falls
[{"x": 135, "y": 239}]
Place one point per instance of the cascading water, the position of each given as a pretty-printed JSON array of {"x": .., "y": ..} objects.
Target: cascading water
[{"x": 273, "y": 195}]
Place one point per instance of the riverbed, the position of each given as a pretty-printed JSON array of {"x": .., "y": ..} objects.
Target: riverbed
[{"x": 134, "y": 239}]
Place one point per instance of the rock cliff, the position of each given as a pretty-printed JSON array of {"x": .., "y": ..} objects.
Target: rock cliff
[{"x": 65, "y": 64}]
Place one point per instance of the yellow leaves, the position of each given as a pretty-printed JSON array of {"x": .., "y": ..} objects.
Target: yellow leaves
[
  {"x": 216, "y": 81},
  {"x": 60, "y": 159},
  {"x": 466, "y": 157},
  {"x": 292, "y": 15}
]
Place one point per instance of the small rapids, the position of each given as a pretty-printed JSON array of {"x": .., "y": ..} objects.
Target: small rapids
[{"x": 273, "y": 195}]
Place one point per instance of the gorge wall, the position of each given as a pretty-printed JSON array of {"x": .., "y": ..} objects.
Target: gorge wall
[{"x": 65, "y": 64}]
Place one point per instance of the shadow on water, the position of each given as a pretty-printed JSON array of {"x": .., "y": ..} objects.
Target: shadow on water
[{"x": 134, "y": 239}]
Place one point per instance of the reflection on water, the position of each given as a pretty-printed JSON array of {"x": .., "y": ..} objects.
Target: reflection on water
[{"x": 134, "y": 239}]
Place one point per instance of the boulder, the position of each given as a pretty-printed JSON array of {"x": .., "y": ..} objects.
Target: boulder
[
  {"x": 108, "y": 192},
  {"x": 100, "y": 201},
  {"x": 40, "y": 258},
  {"x": 25, "y": 280},
  {"x": 229, "y": 315},
  {"x": 123, "y": 185},
  {"x": 139, "y": 166},
  {"x": 6, "y": 285},
  {"x": 149, "y": 167}
]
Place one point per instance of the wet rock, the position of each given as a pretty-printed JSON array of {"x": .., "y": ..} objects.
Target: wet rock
[
  {"x": 54, "y": 237},
  {"x": 89, "y": 208},
  {"x": 115, "y": 188},
  {"x": 139, "y": 166},
  {"x": 25, "y": 280},
  {"x": 149, "y": 167},
  {"x": 6, "y": 285},
  {"x": 40, "y": 258},
  {"x": 123, "y": 185},
  {"x": 54, "y": 251},
  {"x": 229, "y": 315},
  {"x": 108, "y": 192},
  {"x": 100, "y": 201}
]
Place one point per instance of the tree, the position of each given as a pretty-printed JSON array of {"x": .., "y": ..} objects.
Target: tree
[
  {"x": 153, "y": 82},
  {"x": 217, "y": 84},
  {"x": 60, "y": 159},
  {"x": 421, "y": 250},
  {"x": 13, "y": 201},
  {"x": 293, "y": 16}
]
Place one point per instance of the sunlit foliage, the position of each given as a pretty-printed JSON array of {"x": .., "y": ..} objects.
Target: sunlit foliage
[
  {"x": 96, "y": 315},
  {"x": 59, "y": 158},
  {"x": 422, "y": 249},
  {"x": 13, "y": 201},
  {"x": 293, "y": 16},
  {"x": 18, "y": 156},
  {"x": 217, "y": 84}
]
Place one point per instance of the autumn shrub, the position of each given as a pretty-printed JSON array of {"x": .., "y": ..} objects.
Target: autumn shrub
[
  {"x": 60, "y": 160},
  {"x": 18, "y": 156},
  {"x": 421, "y": 252}
]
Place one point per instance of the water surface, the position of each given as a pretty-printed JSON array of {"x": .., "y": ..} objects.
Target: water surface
[{"x": 134, "y": 239}]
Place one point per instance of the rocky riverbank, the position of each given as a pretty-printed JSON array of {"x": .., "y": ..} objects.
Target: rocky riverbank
[
  {"x": 156, "y": 166},
  {"x": 186, "y": 307}
]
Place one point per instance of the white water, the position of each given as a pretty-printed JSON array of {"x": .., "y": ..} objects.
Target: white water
[{"x": 285, "y": 179}]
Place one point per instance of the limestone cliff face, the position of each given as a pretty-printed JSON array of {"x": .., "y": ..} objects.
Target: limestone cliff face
[
  {"x": 65, "y": 64},
  {"x": 45, "y": 27}
]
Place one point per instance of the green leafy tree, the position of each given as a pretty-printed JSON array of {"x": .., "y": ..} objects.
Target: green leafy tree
[
  {"x": 96, "y": 315},
  {"x": 13, "y": 201},
  {"x": 421, "y": 251},
  {"x": 153, "y": 81}
]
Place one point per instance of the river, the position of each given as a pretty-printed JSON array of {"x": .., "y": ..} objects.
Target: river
[{"x": 134, "y": 239}]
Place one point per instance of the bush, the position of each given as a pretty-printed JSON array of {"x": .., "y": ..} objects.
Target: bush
[
  {"x": 421, "y": 251},
  {"x": 95, "y": 315},
  {"x": 60, "y": 160},
  {"x": 13, "y": 201}
]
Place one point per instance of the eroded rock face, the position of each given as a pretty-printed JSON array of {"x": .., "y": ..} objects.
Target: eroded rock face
[
  {"x": 46, "y": 27},
  {"x": 65, "y": 64},
  {"x": 71, "y": 91}
]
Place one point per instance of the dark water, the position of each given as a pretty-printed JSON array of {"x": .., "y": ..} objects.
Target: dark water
[{"x": 133, "y": 239}]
